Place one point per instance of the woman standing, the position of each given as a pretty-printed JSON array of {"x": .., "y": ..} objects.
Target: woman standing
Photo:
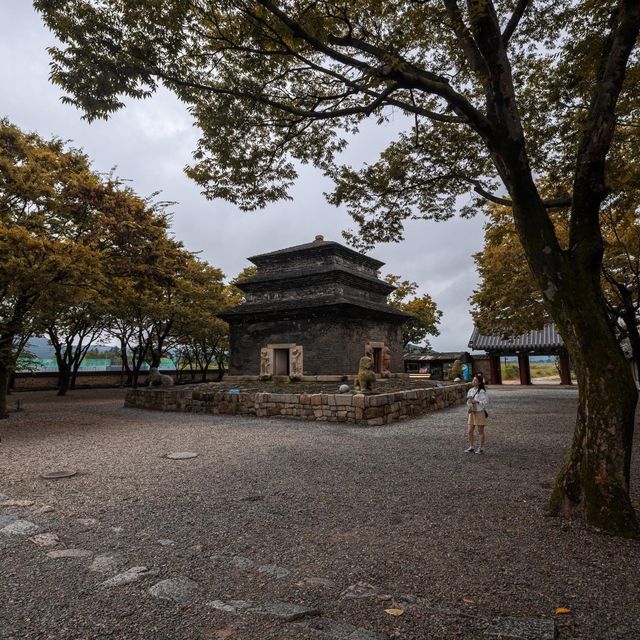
[{"x": 477, "y": 400}]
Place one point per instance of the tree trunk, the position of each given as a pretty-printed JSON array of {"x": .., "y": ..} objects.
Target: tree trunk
[
  {"x": 64, "y": 380},
  {"x": 4, "y": 383},
  {"x": 221, "y": 369},
  {"x": 594, "y": 481},
  {"x": 125, "y": 363},
  {"x": 64, "y": 377}
]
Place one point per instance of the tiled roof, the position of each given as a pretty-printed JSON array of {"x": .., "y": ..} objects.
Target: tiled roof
[
  {"x": 541, "y": 339},
  {"x": 309, "y": 272},
  {"x": 428, "y": 357},
  {"x": 330, "y": 303},
  {"x": 319, "y": 243}
]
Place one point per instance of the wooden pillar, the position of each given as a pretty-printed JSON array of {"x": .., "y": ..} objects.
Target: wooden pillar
[
  {"x": 565, "y": 372},
  {"x": 523, "y": 365},
  {"x": 494, "y": 369}
]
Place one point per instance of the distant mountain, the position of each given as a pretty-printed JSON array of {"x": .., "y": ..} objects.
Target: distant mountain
[{"x": 40, "y": 348}]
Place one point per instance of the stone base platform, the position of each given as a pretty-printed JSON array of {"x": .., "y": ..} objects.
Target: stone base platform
[{"x": 370, "y": 410}]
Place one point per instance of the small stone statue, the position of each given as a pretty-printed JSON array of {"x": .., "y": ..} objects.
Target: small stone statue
[
  {"x": 366, "y": 377},
  {"x": 157, "y": 379}
]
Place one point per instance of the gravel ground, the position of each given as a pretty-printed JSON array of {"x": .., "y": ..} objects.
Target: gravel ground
[{"x": 300, "y": 512}]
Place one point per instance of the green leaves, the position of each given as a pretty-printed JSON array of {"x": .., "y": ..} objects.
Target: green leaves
[{"x": 425, "y": 315}]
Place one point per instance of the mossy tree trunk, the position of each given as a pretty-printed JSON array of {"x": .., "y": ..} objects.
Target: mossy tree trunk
[{"x": 594, "y": 481}]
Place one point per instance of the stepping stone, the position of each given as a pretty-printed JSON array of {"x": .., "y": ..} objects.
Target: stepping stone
[
  {"x": 522, "y": 629},
  {"x": 69, "y": 553},
  {"x": 106, "y": 563},
  {"x": 165, "y": 542},
  {"x": 20, "y": 528},
  {"x": 316, "y": 582},
  {"x": 43, "y": 508},
  {"x": 175, "y": 589},
  {"x": 182, "y": 455},
  {"x": 57, "y": 475},
  {"x": 87, "y": 522},
  {"x": 130, "y": 575},
  {"x": 5, "y": 520},
  {"x": 16, "y": 503},
  {"x": 240, "y": 562},
  {"x": 340, "y": 630},
  {"x": 286, "y": 611},
  {"x": 230, "y": 606},
  {"x": 273, "y": 571},
  {"x": 45, "y": 540},
  {"x": 359, "y": 590}
]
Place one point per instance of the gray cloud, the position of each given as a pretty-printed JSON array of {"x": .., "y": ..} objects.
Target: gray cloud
[{"x": 150, "y": 143}]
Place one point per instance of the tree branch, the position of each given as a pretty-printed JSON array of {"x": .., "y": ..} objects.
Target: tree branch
[
  {"x": 552, "y": 203},
  {"x": 517, "y": 14},
  {"x": 589, "y": 186},
  {"x": 465, "y": 38}
]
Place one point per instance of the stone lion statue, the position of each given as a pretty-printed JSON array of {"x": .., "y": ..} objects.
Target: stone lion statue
[
  {"x": 157, "y": 379},
  {"x": 366, "y": 377}
]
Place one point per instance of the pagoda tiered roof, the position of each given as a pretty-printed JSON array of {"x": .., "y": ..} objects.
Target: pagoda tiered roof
[{"x": 318, "y": 275}]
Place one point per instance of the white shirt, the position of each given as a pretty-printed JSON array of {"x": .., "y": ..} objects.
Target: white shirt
[{"x": 480, "y": 395}]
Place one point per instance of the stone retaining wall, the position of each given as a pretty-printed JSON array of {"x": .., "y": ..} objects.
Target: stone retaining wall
[
  {"x": 370, "y": 410},
  {"x": 94, "y": 379}
]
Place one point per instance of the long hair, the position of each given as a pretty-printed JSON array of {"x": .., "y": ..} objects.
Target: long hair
[{"x": 480, "y": 379}]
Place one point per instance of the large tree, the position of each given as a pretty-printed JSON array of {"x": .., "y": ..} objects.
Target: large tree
[
  {"x": 46, "y": 234},
  {"x": 499, "y": 94}
]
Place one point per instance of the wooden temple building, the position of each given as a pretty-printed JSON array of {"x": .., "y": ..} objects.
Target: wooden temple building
[
  {"x": 312, "y": 311},
  {"x": 546, "y": 341}
]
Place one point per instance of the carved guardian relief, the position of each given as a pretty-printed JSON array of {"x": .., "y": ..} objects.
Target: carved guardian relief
[
  {"x": 295, "y": 366},
  {"x": 386, "y": 361},
  {"x": 383, "y": 360},
  {"x": 266, "y": 358}
]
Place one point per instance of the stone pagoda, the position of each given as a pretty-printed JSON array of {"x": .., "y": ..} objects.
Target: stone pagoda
[{"x": 311, "y": 312}]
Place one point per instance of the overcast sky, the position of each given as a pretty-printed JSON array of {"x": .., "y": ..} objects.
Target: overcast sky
[{"x": 151, "y": 142}]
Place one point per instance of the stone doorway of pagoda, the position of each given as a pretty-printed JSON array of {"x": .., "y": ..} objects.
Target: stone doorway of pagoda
[{"x": 283, "y": 360}]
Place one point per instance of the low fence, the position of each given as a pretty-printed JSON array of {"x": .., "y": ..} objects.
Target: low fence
[{"x": 370, "y": 410}]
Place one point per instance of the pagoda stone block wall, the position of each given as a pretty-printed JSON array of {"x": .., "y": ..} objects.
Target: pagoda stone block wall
[{"x": 330, "y": 345}]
